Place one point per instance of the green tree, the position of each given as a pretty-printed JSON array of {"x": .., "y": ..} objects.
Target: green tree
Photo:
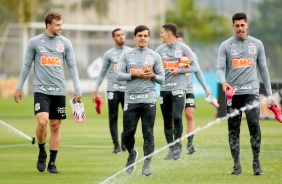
[
  {"x": 202, "y": 26},
  {"x": 266, "y": 27},
  {"x": 101, "y": 7}
]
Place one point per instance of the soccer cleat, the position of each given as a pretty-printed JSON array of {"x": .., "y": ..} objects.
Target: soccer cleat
[
  {"x": 77, "y": 108},
  {"x": 146, "y": 170},
  {"x": 123, "y": 147},
  {"x": 133, "y": 155},
  {"x": 230, "y": 93},
  {"x": 184, "y": 62},
  {"x": 117, "y": 149},
  {"x": 99, "y": 104},
  {"x": 170, "y": 154},
  {"x": 190, "y": 149},
  {"x": 212, "y": 100},
  {"x": 237, "y": 169},
  {"x": 52, "y": 168},
  {"x": 276, "y": 111},
  {"x": 257, "y": 169},
  {"x": 41, "y": 163},
  {"x": 176, "y": 153}
]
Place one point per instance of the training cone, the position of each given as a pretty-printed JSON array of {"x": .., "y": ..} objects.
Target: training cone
[{"x": 276, "y": 111}]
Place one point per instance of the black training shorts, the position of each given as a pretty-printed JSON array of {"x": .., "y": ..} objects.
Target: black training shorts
[{"x": 54, "y": 105}]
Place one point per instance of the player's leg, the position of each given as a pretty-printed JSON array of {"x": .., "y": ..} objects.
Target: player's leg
[
  {"x": 166, "y": 108},
  {"x": 189, "y": 115},
  {"x": 234, "y": 124},
  {"x": 121, "y": 101},
  {"x": 57, "y": 114},
  {"x": 113, "y": 117},
  {"x": 252, "y": 116},
  {"x": 178, "y": 103},
  {"x": 41, "y": 110},
  {"x": 148, "y": 120},
  {"x": 131, "y": 116}
]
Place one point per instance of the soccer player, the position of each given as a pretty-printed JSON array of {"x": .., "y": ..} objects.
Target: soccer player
[
  {"x": 140, "y": 67},
  {"x": 237, "y": 63},
  {"x": 115, "y": 89},
  {"x": 47, "y": 52},
  {"x": 172, "y": 91},
  {"x": 190, "y": 105}
]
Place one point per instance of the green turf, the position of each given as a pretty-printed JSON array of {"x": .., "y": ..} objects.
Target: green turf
[{"x": 85, "y": 154}]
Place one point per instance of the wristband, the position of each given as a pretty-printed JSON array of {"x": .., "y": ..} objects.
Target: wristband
[{"x": 134, "y": 76}]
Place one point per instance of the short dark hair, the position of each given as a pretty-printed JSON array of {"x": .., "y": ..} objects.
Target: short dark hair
[
  {"x": 171, "y": 27},
  {"x": 141, "y": 28},
  {"x": 49, "y": 17},
  {"x": 114, "y": 31},
  {"x": 239, "y": 16}
]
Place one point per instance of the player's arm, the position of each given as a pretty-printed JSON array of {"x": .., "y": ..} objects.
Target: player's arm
[
  {"x": 194, "y": 66},
  {"x": 71, "y": 64},
  {"x": 103, "y": 72},
  {"x": 123, "y": 70},
  {"x": 261, "y": 62},
  {"x": 29, "y": 58},
  {"x": 158, "y": 70},
  {"x": 221, "y": 67}
]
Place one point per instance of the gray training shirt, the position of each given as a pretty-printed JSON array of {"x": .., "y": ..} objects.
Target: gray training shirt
[
  {"x": 171, "y": 55},
  {"x": 48, "y": 54},
  {"x": 239, "y": 59},
  {"x": 140, "y": 90},
  {"x": 189, "y": 79},
  {"x": 110, "y": 62}
]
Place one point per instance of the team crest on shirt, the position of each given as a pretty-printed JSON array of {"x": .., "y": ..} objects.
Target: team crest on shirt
[
  {"x": 60, "y": 47},
  {"x": 148, "y": 60},
  {"x": 178, "y": 53},
  {"x": 252, "y": 49},
  {"x": 110, "y": 95}
]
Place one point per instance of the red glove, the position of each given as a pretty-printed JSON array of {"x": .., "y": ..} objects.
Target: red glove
[
  {"x": 276, "y": 111},
  {"x": 99, "y": 104}
]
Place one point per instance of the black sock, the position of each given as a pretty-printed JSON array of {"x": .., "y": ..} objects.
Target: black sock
[
  {"x": 41, "y": 148},
  {"x": 53, "y": 156}
]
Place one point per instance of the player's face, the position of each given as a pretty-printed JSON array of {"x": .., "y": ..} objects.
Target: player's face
[
  {"x": 142, "y": 38},
  {"x": 240, "y": 28},
  {"x": 164, "y": 35},
  {"x": 55, "y": 28},
  {"x": 119, "y": 38}
]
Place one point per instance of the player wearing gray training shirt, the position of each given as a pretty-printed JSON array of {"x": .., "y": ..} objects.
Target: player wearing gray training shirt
[
  {"x": 172, "y": 93},
  {"x": 115, "y": 88},
  {"x": 47, "y": 52},
  {"x": 237, "y": 63},
  {"x": 140, "y": 67}
]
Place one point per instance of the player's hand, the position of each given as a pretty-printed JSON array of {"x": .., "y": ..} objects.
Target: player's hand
[
  {"x": 270, "y": 100},
  {"x": 77, "y": 97},
  {"x": 174, "y": 71},
  {"x": 226, "y": 86},
  {"x": 94, "y": 96},
  {"x": 208, "y": 93},
  {"x": 18, "y": 95},
  {"x": 145, "y": 73}
]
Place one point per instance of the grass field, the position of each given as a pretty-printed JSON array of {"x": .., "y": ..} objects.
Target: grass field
[{"x": 85, "y": 155}]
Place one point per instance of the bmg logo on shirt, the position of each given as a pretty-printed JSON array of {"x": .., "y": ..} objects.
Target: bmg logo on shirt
[
  {"x": 50, "y": 61},
  {"x": 239, "y": 63}
]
